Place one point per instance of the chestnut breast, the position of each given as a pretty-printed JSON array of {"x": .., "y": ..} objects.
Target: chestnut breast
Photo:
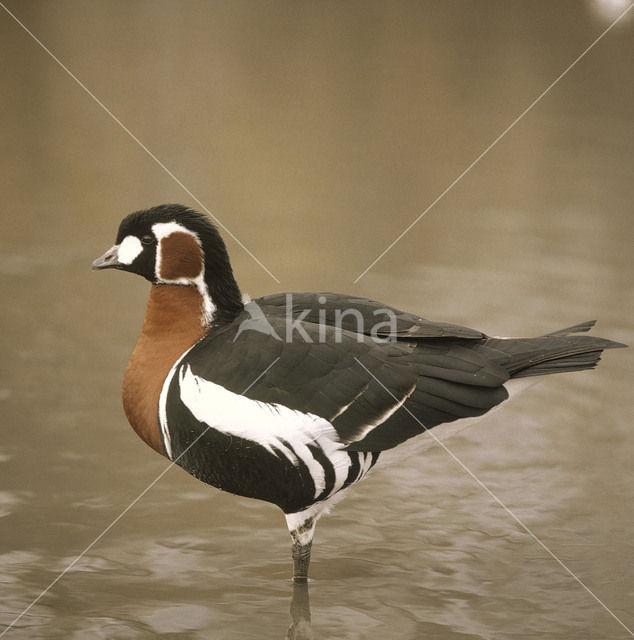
[{"x": 172, "y": 325}]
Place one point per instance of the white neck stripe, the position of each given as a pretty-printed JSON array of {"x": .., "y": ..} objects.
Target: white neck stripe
[{"x": 164, "y": 229}]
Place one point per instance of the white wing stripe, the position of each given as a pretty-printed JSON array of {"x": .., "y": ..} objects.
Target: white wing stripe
[
  {"x": 346, "y": 406},
  {"x": 277, "y": 428},
  {"x": 384, "y": 416}
]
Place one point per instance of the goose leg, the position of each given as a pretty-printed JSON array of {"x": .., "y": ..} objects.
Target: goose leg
[
  {"x": 302, "y": 531},
  {"x": 301, "y": 560}
]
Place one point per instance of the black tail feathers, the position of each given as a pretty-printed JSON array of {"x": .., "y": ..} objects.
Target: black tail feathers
[
  {"x": 576, "y": 328},
  {"x": 556, "y": 352}
]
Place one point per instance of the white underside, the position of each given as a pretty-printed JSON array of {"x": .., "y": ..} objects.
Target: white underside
[{"x": 295, "y": 521}]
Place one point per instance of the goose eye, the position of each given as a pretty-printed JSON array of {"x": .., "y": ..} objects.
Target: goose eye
[{"x": 147, "y": 239}]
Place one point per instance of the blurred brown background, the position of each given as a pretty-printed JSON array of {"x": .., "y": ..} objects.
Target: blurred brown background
[{"x": 316, "y": 132}]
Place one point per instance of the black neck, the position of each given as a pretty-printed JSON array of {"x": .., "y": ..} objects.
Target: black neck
[{"x": 224, "y": 292}]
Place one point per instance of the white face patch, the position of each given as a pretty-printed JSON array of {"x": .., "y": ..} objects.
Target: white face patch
[{"x": 129, "y": 249}]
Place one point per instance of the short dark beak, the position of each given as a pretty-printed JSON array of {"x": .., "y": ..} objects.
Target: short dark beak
[{"x": 109, "y": 260}]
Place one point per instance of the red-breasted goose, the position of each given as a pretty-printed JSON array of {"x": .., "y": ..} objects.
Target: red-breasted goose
[{"x": 291, "y": 398}]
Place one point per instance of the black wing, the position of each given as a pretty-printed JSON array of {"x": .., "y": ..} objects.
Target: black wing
[
  {"x": 360, "y": 315},
  {"x": 367, "y": 389}
]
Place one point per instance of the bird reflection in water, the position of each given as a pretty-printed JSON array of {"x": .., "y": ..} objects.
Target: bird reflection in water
[{"x": 300, "y": 628}]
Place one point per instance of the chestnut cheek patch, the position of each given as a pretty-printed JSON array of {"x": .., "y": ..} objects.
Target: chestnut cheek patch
[{"x": 181, "y": 257}]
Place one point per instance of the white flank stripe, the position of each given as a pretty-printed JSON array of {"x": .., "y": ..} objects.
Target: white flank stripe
[
  {"x": 365, "y": 460},
  {"x": 275, "y": 427},
  {"x": 368, "y": 463},
  {"x": 167, "y": 441},
  {"x": 341, "y": 473}
]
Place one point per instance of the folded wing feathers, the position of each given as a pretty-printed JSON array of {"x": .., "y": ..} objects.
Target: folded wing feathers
[{"x": 404, "y": 386}]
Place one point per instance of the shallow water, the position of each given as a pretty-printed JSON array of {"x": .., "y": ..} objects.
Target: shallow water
[{"x": 317, "y": 132}]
